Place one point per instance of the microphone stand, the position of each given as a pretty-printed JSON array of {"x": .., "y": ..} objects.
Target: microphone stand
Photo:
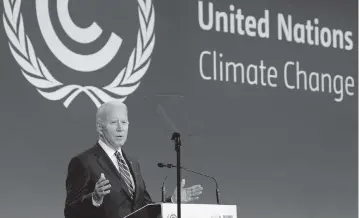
[
  {"x": 202, "y": 174},
  {"x": 176, "y": 137},
  {"x": 217, "y": 188},
  {"x": 163, "y": 190}
]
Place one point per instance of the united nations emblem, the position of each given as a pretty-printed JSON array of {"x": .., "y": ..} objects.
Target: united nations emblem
[{"x": 36, "y": 72}]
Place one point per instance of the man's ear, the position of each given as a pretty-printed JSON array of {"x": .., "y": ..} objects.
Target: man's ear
[{"x": 99, "y": 127}]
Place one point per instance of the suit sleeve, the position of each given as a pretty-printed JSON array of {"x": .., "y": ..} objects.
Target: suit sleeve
[
  {"x": 78, "y": 192},
  {"x": 147, "y": 197},
  {"x": 168, "y": 199}
]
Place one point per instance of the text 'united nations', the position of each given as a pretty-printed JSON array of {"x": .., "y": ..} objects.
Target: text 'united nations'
[{"x": 234, "y": 21}]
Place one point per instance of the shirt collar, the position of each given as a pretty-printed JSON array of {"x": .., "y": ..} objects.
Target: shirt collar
[{"x": 109, "y": 151}]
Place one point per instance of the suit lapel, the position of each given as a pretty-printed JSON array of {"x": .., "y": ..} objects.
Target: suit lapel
[{"x": 106, "y": 163}]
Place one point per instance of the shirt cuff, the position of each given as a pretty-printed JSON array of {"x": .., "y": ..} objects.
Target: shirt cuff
[{"x": 96, "y": 203}]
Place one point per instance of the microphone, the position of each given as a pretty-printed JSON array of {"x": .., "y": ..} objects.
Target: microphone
[
  {"x": 163, "y": 190},
  {"x": 161, "y": 165}
]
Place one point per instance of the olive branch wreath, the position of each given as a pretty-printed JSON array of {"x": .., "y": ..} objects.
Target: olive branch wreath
[{"x": 34, "y": 70}]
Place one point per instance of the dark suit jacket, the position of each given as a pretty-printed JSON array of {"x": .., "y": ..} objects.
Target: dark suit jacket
[{"x": 84, "y": 171}]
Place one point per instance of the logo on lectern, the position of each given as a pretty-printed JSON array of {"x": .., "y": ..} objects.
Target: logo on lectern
[
  {"x": 172, "y": 216},
  {"x": 36, "y": 72}
]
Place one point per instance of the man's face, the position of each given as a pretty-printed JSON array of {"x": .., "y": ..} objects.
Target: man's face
[{"x": 115, "y": 126}]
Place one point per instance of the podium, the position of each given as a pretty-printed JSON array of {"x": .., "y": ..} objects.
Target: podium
[{"x": 169, "y": 210}]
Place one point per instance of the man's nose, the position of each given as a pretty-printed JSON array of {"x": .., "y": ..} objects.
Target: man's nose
[{"x": 119, "y": 126}]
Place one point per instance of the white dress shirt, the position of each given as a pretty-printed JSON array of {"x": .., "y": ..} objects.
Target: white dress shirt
[{"x": 111, "y": 154}]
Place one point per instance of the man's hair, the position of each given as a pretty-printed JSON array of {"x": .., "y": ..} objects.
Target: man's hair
[{"x": 102, "y": 111}]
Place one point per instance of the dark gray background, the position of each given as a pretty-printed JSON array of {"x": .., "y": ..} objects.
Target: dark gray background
[{"x": 276, "y": 153}]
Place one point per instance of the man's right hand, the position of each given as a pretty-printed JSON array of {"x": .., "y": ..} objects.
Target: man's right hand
[{"x": 102, "y": 188}]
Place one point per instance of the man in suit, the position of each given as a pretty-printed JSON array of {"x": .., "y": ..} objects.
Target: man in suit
[{"x": 104, "y": 182}]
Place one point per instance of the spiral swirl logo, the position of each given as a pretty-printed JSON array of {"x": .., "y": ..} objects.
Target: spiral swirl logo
[
  {"x": 172, "y": 216},
  {"x": 37, "y": 73}
]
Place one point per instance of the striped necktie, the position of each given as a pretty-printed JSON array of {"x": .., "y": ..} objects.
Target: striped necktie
[{"x": 125, "y": 173}]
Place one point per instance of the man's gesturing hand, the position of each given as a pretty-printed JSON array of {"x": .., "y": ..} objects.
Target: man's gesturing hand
[
  {"x": 102, "y": 188},
  {"x": 187, "y": 194}
]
